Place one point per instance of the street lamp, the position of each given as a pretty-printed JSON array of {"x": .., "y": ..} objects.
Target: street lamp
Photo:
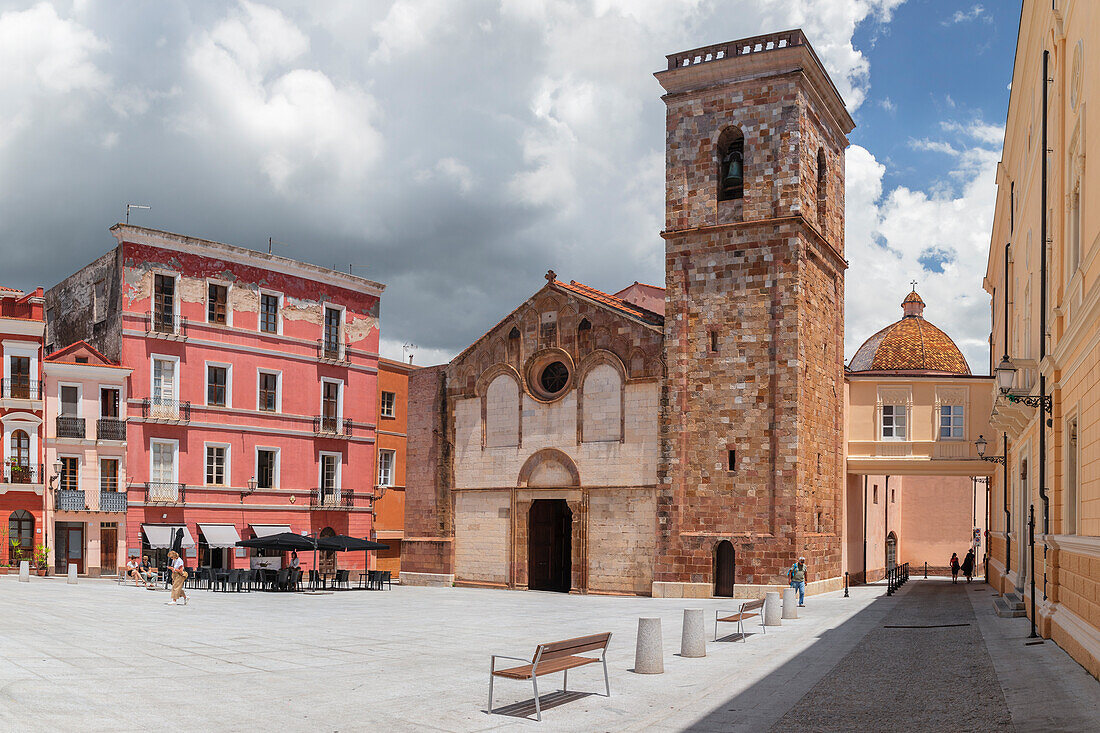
[
  {"x": 1006, "y": 374},
  {"x": 251, "y": 488},
  {"x": 981, "y": 444}
]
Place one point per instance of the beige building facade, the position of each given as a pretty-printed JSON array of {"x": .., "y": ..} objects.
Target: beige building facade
[{"x": 1042, "y": 274}]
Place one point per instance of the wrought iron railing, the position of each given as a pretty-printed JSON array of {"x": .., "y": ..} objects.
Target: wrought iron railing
[
  {"x": 70, "y": 427},
  {"x": 331, "y": 498},
  {"x": 113, "y": 501},
  {"x": 158, "y": 408},
  {"x": 22, "y": 473},
  {"x": 896, "y": 577},
  {"x": 330, "y": 350},
  {"x": 325, "y": 424},
  {"x": 162, "y": 492},
  {"x": 110, "y": 428},
  {"x": 167, "y": 324},
  {"x": 18, "y": 388},
  {"x": 70, "y": 500}
]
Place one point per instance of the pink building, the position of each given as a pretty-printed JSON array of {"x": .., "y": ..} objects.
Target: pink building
[
  {"x": 86, "y": 504},
  {"x": 251, "y": 407},
  {"x": 22, "y": 488}
]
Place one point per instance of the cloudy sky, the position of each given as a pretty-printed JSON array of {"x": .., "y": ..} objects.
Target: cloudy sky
[{"x": 456, "y": 150}]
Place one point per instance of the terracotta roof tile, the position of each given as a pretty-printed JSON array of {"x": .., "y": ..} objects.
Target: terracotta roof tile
[
  {"x": 606, "y": 299},
  {"x": 910, "y": 345}
]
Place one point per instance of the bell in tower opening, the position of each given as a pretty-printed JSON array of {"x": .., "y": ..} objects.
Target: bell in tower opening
[{"x": 731, "y": 157}]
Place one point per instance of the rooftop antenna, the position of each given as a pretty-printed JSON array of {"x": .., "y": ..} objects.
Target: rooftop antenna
[
  {"x": 272, "y": 240},
  {"x": 351, "y": 266},
  {"x": 133, "y": 206},
  {"x": 407, "y": 350}
]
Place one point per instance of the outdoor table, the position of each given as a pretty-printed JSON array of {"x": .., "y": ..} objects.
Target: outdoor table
[{"x": 267, "y": 578}]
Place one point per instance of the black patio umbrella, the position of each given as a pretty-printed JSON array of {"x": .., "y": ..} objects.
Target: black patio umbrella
[
  {"x": 343, "y": 542},
  {"x": 281, "y": 541}
]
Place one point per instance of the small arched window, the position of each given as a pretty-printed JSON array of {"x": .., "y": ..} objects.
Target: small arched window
[
  {"x": 822, "y": 188},
  {"x": 731, "y": 164},
  {"x": 513, "y": 344},
  {"x": 584, "y": 335}
]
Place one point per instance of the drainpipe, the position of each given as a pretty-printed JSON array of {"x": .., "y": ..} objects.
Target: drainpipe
[
  {"x": 886, "y": 520},
  {"x": 1043, "y": 336},
  {"x": 865, "y": 529},
  {"x": 1008, "y": 513}
]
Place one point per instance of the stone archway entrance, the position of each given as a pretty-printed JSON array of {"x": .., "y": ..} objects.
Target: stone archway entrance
[
  {"x": 549, "y": 546},
  {"x": 724, "y": 567}
]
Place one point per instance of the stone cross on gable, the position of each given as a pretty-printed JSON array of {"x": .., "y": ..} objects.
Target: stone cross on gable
[{"x": 551, "y": 276}]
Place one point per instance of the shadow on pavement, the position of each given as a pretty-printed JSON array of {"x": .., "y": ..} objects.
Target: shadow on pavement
[{"x": 526, "y": 708}]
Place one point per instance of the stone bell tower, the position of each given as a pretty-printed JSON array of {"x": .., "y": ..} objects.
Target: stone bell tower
[{"x": 752, "y": 412}]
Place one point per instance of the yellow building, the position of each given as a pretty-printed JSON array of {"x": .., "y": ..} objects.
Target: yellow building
[{"x": 1042, "y": 275}]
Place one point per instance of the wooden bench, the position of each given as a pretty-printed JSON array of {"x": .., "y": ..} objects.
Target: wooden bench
[
  {"x": 556, "y": 656},
  {"x": 748, "y": 610}
]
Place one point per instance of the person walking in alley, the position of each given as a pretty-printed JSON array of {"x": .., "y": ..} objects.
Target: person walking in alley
[
  {"x": 179, "y": 598},
  {"x": 797, "y": 575},
  {"x": 954, "y": 567},
  {"x": 968, "y": 565}
]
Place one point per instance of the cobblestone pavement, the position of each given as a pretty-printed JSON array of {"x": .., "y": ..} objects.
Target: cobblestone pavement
[{"x": 925, "y": 668}]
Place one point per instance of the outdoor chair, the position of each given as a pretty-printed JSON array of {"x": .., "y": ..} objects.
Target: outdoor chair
[
  {"x": 234, "y": 580},
  {"x": 296, "y": 580},
  {"x": 314, "y": 579},
  {"x": 341, "y": 580},
  {"x": 211, "y": 579},
  {"x": 385, "y": 578},
  {"x": 281, "y": 578},
  {"x": 248, "y": 579}
]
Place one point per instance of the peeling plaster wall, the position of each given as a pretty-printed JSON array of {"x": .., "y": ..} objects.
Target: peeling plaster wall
[{"x": 70, "y": 304}]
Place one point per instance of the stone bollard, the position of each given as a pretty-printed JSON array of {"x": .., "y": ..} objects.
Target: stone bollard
[
  {"x": 692, "y": 641},
  {"x": 649, "y": 656},
  {"x": 24, "y": 571},
  {"x": 772, "y": 612},
  {"x": 790, "y": 603},
  {"x": 71, "y": 580}
]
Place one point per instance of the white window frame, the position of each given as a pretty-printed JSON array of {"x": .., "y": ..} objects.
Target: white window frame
[
  {"x": 31, "y": 425},
  {"x": 277, "y": 479},
  {"x": 175, "y": 291},
  {"x": 23, "y": 349},
  {"x": 175, "y": 458},
  {"x": 341, "y": 335},
  {"x": 228, "y": 384},
  {"x": 951, "y": 426},
  {"x": 228, "y": 462},
  {"x": 339, "y": 397},
  {"x": 120, "y": 484},
  {"x": 79, "y": 398},
  {"x": 893, "y": 423},
  {"x": 382, "y": 405},
  {"x": 206, "y": 302},
  {"x": 278, "y": 314},
  {"x": 393, "y": 466},
  {"x": 278, "y": 388},
  {"x": 121, "y": 400},
  {"x": 321, "y": 469},
  {"x": 79, "y": 467},
  {"x": 153, "y": 358}
]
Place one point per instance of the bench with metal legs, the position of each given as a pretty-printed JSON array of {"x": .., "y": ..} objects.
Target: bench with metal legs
[
  {"x": 557, "y": 656},
  {"x": 747, "y": 610}
]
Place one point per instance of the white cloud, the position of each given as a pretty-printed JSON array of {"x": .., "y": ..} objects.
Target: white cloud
[
  {"x": 976, "y": 129},
  {"x": 962, "y": 16},
  {"x": 408, "y": 27},
  {"x": 934, "y": 146},
  {"x": 887, "y": 105}
]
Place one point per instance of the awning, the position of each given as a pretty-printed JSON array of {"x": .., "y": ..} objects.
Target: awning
[
  {"x": 220, "y": 535},
  {"x": 160, "y": 536},
  {"x": 263, "y": 530}
]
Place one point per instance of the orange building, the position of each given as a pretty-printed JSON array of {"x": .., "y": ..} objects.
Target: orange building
[{"x": 393, "y": 400}]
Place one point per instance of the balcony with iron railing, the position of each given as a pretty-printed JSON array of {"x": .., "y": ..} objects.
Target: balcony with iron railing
[
  {"x": 165, "y": 325},
  {"x": 110, "y": 428},
  {"x": 112, "y": 501},
  {"x": 162, "y": 492},
  {"x": 70, "y": 427},
  {"x": 329, "y": 350},
  {"x": 23, "y": 473},
  {"x": 18, "y": 388},
  {"x": 334, "y": 426},
  {"x": 70, "y": 500},
  {"x": 335, "y": 499},
  {"x": 158, "y": 408}
]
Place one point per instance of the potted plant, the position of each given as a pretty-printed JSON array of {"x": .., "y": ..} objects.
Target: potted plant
[
  {"x": 19, "y": 472},
  {"x": 4, "y": 561},
  {"x": 41, "y": 557}
]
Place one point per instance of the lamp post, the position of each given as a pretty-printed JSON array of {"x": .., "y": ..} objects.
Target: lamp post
[
  {"x": 981, "y": 444},
  {"x": 251, "y": 488}
]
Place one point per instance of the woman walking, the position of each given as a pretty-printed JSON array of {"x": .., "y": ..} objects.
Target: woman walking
[
  {"x": 968, "y": 565},
  {"x": 954, "y": 567},
  {"x": 179, "y": 598}
]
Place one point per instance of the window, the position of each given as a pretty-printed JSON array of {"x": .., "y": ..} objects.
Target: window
[
  {"x": 332, "y": 332},
  {"x": 554, "y": 377},
  {"x": 164, "y": 388},
  {"x": 893, "y": 422},
  {"x": 70, "y": 473},
  {"x": 99, "y": 300},
  {"x": 267, "y": 463},
  {"x": 385, "y": 467},
  {"x": 216, "y": 299},
  {"x": 389, "y": 401},
  {"x": 164, "y": 303},
  {"x": 269, "y": 392},
  {"x": 1069, "y": 523},
  {"x": 330, "y": 404},
  {"x": 584, "y": 335},
  {"x": 951, "y": 422},
  {"x": 70, "y": 401},
  {"x": 215, "y": 465},
  {"x": 713, "y": 341},
  {"x": 269, "y": 313},
  {"x": 1074, "y": 255},
  {"x": 108, "y": 474},
  {"x": 163, "y": 462},
  {"x": 874, "y": 494},
  {"x": 20, "y": 376},
  {"x": 216, "y": 377},
  {"x": 893, "y": 498},
  {"x": 731, "y": 460},
  {"x": 731, "y": 165},
  {"x": 20, "y": 535},
  {"x": 822, "y": 188},
  {"x": 330, "y": 475},
  {"x": 108, "y": 402}
]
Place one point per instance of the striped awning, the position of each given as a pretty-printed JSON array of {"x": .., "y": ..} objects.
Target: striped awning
[
  {"x": 220, "y": 535},
  {"x": 263, "y": 530},
  {"x": 159, "y": 536}
]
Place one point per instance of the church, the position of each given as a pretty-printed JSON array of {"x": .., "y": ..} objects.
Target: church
[{"x": 685, "y": 439}]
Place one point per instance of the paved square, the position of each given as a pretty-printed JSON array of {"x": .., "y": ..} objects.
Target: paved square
[{"x": 99, "y": 656}]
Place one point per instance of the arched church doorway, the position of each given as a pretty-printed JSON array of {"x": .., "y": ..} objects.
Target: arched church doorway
[
  {"x": 891, "y": 550},
  {"x": 549, "y": 546},
  {"x": 724, "y": 569}
]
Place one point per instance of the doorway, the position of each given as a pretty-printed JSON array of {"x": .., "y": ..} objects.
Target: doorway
[
  {"x": 724, "y": 567},
  {"x": 549, "y": 546},
  {"x": 70, "y": 547},
  {"x": 108, "y": 548},
  {"x": 326, "y": 563},
  {"x": 891, "y": 551}
]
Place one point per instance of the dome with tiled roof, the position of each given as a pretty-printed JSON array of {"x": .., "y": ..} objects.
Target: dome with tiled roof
[{"x": 910, "y": 345}]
